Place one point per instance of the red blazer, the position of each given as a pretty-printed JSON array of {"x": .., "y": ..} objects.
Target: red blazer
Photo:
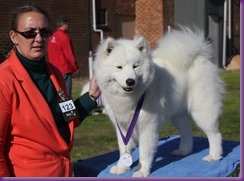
[
  {"x": 60, "y": 52},
  {"x": 30, "y": 144}
]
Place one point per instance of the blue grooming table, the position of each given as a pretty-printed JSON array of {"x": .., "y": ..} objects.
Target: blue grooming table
[{"x": 167, "y": 165}]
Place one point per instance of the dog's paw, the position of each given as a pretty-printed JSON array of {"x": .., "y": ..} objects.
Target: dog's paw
[
  {"x": 139, "y": 174},
  {"x": 211, "y": 158},
  {"x": 118, "y": 170},
  {"x": 179, "y": 153}
]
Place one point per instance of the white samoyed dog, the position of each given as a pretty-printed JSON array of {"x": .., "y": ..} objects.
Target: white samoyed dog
[{"x": 179, "y": 83}]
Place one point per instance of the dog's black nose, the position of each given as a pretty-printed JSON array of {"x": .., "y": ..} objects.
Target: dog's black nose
[{"x": 130, "y": 82}]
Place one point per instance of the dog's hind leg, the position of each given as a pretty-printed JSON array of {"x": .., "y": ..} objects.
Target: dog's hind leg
[
  {"x": 215, "y": 147},
  {"x": 208, "y": 122},
  {"x": 182, "y": 123}
]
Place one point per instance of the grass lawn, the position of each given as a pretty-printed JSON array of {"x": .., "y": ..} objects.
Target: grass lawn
[{"x": 96, "y": 135}]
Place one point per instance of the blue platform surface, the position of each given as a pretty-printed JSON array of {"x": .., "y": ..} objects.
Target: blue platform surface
[{"x": 165, "y": 164}]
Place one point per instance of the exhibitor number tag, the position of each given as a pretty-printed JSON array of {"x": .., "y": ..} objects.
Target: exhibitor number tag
[
  {"x": 68, "y": 110},
  {"x": 67, "y": 106}
]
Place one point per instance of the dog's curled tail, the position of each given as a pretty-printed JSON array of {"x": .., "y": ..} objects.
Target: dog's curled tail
[{"x": 181, "y": 47}]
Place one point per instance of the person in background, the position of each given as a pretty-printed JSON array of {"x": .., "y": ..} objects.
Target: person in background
[
  {"x": 60, "y": 52},
  {"x": 37, "y": 119}
]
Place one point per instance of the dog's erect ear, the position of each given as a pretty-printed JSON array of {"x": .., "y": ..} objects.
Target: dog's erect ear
[
  {"x": 141, "y": 43},
  {"x": 109, "y": 45}
]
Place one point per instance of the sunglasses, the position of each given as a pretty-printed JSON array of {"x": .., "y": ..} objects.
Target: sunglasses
[{"x": 32, "y": 34}]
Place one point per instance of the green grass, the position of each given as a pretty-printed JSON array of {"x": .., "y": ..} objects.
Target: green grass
[
  {"x": 96, "y": 135},
  {"x": 230, "y": 119}
]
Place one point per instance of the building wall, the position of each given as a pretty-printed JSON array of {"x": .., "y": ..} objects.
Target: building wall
[
  {"x": 150, "y": 18},
  {"x": 168, "y": 14},
  {"x": 125, "y": 19},
  {"x": 125, "y": 7},
  {"x": 236, "y": 26},
  {"x": 190, "y": 12},
  {"x": 153, "y": 17}
]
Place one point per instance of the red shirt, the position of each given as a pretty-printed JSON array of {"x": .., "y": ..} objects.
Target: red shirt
[{"x": 60, "y": 52}]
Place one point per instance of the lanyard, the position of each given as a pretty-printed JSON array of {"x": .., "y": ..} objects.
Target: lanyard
[
  {"x": 55, "y": 83},
  {"x": 66, "y": 105},
  {"x": 133, "y": 122}
]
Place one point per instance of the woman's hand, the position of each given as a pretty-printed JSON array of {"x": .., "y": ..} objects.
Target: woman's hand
[{"x": 94, "y": 91}]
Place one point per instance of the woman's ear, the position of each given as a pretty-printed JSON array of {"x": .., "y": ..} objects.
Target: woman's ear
[{"x": 13, "y": 37}]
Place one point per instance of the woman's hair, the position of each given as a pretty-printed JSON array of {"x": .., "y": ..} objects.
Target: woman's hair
[{"x": 23, "y": 9}]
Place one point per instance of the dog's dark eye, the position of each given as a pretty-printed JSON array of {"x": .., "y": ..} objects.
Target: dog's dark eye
[
  {"x": 141, "y": 48},
  {"x": 135, "y": 66},
  {"x": 119, "y": 67},
  {"x": 109, "y": 50}
]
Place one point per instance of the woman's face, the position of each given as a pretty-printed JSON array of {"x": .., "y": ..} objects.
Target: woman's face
[{"x": 33, "y": 47}]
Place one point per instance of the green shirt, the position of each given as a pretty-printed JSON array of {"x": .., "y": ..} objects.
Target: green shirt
[{"x": 37, "y": 70}]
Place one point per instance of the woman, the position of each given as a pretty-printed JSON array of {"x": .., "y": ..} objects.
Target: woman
[{"x": 37, "y": 119}]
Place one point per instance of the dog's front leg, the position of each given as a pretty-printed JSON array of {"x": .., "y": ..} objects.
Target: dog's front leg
[
  {"x": 120, "y": 168},
  {"x": 147, "y": 147}
]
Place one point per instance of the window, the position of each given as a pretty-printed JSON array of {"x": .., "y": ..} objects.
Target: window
[{"x": 101, "y": 17}]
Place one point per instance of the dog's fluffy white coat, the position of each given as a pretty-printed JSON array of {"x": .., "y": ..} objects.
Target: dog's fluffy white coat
[{"x": 180, "y": 84}]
